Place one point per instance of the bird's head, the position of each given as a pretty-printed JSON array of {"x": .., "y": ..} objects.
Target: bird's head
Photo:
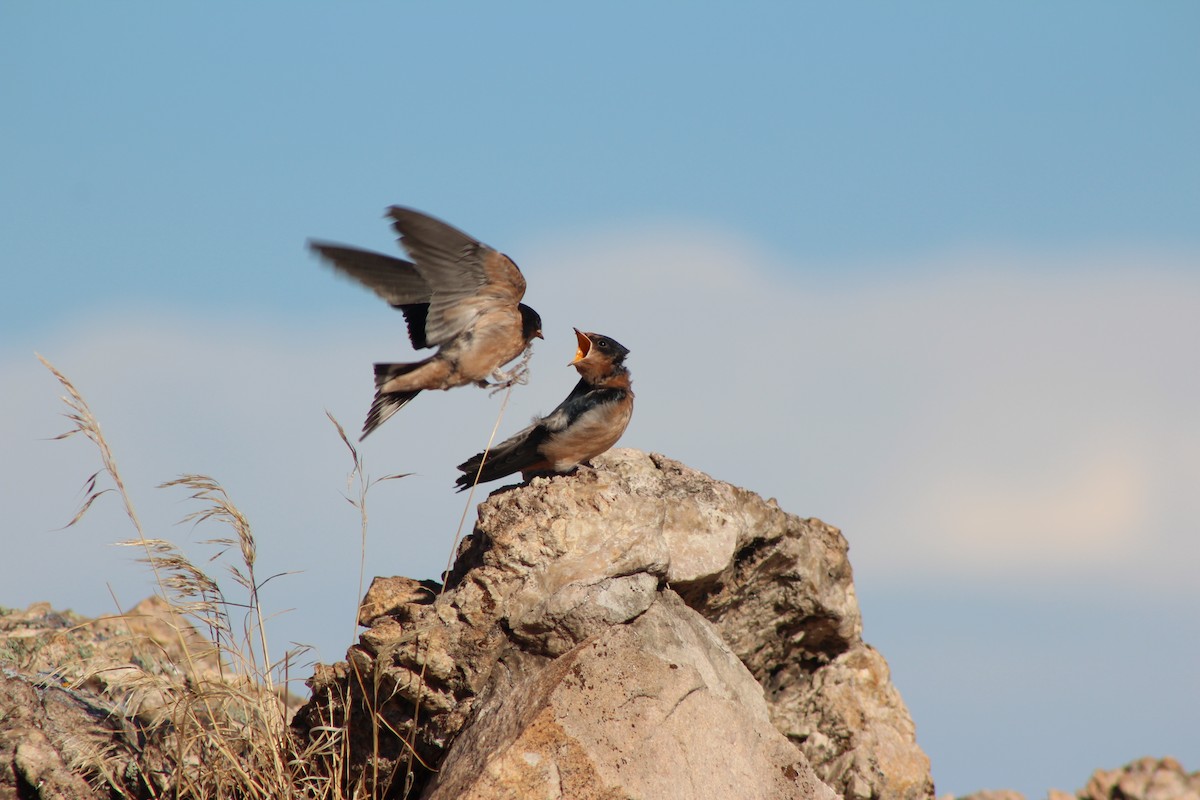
[
  {"x": 598, "y": 348},
  {"x": 531, "y": 324}
]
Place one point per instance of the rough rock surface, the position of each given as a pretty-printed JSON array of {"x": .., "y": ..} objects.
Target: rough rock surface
[
  {"x": 1144, "y": 779},
  {"x": 61, "y": 715},
  {"x": 87, "y": 705},
  {"x": 593, "y": 620},
  {"x": 45, "y": 732},
  {"x": 634, "y": 630},
  {"x": 631, "y": 712}
]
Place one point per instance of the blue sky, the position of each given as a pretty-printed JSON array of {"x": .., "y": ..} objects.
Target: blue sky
[{"x": 949, "y": 254}]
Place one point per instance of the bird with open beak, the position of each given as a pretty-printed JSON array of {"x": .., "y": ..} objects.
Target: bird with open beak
[
  {"x": 584, "y": 425},
  {"x": 457, "y": 294}
]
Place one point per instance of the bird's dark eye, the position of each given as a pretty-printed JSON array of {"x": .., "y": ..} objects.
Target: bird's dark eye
[{"x": 602, "y": 344}]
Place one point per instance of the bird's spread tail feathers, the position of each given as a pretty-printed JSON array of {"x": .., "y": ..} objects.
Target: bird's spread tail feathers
[
  {"x": 387, "y": 372},
  {"x": 388, "y": 403},
  {"x": 517, "y": 454}
]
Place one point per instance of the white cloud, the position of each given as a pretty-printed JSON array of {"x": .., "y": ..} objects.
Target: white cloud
[
  {"x": 1086, "y": 511},
  {"x": 975, "y": 417}
]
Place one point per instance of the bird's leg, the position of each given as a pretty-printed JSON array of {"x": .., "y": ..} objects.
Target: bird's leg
[{"x": 519, "y": 374}]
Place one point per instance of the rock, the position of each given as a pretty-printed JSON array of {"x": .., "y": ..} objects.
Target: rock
[
  {"x": 73, "y": 649},
  {"x": 47, "y": 734},
  {"x": 785, "y": 602},
  {"x": 391, "y": 596},
  {"x": 59, "y": 724},
  {"x": 659, "y": 708},
  {"x": 635, "y": 630},
  {"x": 576, "y": 611},
  {"x": 1144, "y": 779},
  {"x": 133, "y": 705},
  {"x": 561, "y": 570}
]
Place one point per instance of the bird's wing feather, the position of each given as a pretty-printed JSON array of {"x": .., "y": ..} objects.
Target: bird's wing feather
[
  {"x": 514, "y": 454},
  {"x": 414, "y": 316},
  {"x": 583, "y": 398},
  {"x": 528, "y": 447},
  {"x": 395, "y": 280},
  {"x": 467, "y": 278}
]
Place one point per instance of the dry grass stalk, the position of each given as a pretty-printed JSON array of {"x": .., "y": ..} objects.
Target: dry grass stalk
[
  {"x": 196, "y": 734},
  {"x": 192, "y": 732}
]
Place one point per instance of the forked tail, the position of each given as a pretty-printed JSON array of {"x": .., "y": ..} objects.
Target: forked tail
[{"x": 388, "y": 403}]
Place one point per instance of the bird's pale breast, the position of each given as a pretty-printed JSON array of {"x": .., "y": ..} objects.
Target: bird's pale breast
[
  {"x": 495, "y": 339},
  {"x": 591, "y": 433}
]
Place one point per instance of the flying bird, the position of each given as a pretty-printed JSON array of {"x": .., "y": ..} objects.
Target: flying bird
[
  {"x": 587, "y": 423},
  {"x": 457, "y": 294}
]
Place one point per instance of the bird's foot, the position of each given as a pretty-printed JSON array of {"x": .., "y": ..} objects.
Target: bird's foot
[{"x": 519, "y": 374}]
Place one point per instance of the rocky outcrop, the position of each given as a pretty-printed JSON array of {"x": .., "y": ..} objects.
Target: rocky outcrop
[
  {"x": 636, "y": 629},
  {"x": 1144, "y": 779},
  {"x": 655, "y": 708},
  {"x": 132, "y": 705},
  {"x": 63, "y": 707},
  {"x": 46, "y": 732}
]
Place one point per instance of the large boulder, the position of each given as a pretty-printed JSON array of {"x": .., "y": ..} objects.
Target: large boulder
[{"x": 635, "y": 629}]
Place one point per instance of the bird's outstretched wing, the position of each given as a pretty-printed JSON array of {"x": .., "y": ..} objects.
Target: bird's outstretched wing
[
  {"x": 467, "y": 278},
  {"x": 395, "y": 280}
]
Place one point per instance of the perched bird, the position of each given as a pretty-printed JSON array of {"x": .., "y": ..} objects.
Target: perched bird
[
  {"x": 457, "y": 294},
  {"x": 587, "y": 423}
]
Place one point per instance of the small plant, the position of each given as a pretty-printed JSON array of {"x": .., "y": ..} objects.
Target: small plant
[{"x": 206, "y": 716}]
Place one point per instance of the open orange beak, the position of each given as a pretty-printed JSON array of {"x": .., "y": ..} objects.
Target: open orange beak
[{"x": 585, "y": 347}]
